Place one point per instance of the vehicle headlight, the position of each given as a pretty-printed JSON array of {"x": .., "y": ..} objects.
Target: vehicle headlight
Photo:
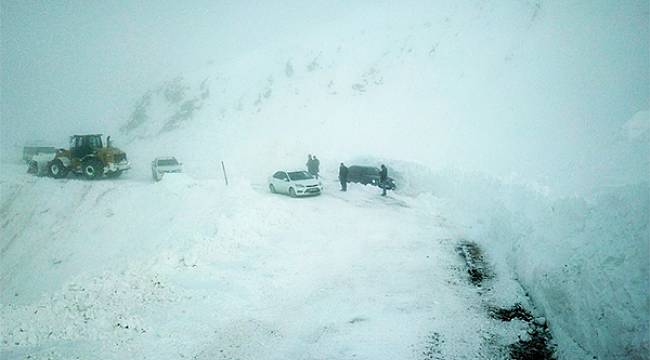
[{"x": 300, "y": 186}]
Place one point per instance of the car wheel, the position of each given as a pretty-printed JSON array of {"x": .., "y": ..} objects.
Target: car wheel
[
  {"x": 92, "y": 169},
  {"x": 292, "y": 192},
  {"x": 57, "y": 170},
  {"x": 272, "y": 188}
]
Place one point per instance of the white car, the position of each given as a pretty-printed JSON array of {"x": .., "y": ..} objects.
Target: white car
[
  {"x": 165, "y": 164},
  {"x": 295, "y": 183}
]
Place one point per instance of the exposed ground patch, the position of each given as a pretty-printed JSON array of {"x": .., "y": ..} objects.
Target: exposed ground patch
[
  {"x": 507, "y": 314},
  {"x": 536, "y": 342},
  {"x": 537, "y": 345},
  {"x": 477, "y": 268}
]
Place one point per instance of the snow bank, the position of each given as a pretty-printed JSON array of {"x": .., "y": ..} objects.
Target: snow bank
[{"x": 583, "y": 260}]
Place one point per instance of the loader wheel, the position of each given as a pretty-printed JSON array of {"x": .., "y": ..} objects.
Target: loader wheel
[
  {"x": 292, "y": 192},
  {"x": 92, "y": 169},
  {"x": 272, "y": 188},
  {"x": 57, "y": 170}
]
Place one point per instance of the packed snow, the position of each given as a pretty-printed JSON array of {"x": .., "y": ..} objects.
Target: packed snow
[{"x": 192, "y": 268}]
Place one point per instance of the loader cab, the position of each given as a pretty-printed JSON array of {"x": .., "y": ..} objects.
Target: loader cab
[{"x": 82, "y": 145}]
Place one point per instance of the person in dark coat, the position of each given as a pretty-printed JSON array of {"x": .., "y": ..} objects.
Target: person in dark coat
[
  {"x": 316, "y": 164},
  {"x": 383, "y": 176},
  {"x": 310, "y": 164},
  {"x": 343, "y": 177}
]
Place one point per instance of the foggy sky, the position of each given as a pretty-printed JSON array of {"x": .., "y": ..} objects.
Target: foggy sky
[{"x": 80, "y": 65}]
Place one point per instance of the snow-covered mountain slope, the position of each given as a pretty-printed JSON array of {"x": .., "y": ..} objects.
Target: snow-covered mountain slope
[
  {"x": 491, "y": 87},
  {"x": 535, "y": 102}
]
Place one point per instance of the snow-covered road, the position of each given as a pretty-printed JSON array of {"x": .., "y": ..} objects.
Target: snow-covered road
[{"x": 193, "y": 269}]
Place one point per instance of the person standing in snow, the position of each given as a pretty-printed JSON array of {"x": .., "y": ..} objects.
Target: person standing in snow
[
  {"x": 383, "y": 176},
  {"x": 310, "y": 164},
  {"x": 343, "y": 177},
  {"x": 316, "y": 164}
]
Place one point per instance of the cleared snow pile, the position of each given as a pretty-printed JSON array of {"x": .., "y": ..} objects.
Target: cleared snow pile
[{"x": 583, "y": 260}]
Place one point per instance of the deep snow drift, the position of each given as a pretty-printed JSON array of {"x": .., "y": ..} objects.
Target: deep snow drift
[{"x": 539, "y": 109}]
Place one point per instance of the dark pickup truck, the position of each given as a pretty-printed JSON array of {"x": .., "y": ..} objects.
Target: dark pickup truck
[{"x": 368, "y": 175}]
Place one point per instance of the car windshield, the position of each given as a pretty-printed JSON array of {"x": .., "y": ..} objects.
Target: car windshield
[
  {"x": 300, "y": 175},
  {"x": 167, "y": 162}
]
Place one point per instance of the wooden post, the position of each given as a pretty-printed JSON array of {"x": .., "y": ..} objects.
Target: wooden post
[{"x": 225, "y": 175}]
